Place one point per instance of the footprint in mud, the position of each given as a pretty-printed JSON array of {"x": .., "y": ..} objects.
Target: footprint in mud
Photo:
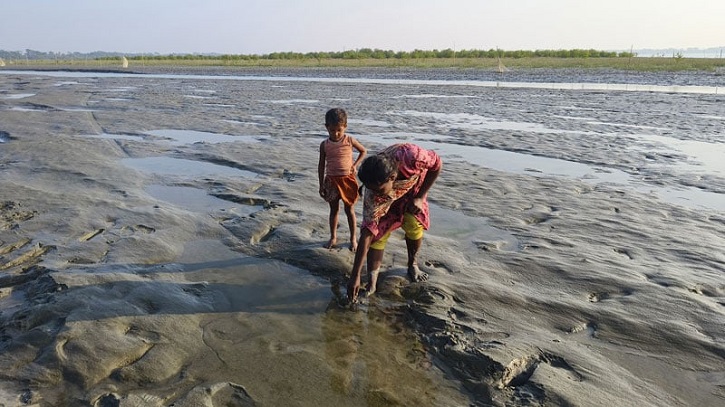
[
  {"x": 263, "y": 235},
  {"x": 126, "y": 231},
  {"x": 218, "y": 394},
  {"x": 285, "y": 348},
  {"x": 538, "y": 216},
  {"x": 706, "y": 290},
  {"x": 590, "y": 328},
  {"x": 596, "y": 297},
  {"x": 428, "y": 294},
  {"x": 12, "y": 214},
  {"x": 289, "y": 176},
  {"x": 520, "y": 370},
  {"x": 439, "y": 265},
  {"x": 195, "y": 289},
  {"x": 489, "y": 246},
  {"x": 624, "y": 252}
]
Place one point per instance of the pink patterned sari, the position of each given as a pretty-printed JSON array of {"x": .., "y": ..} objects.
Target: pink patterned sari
[{"x": 383, "y": 213}]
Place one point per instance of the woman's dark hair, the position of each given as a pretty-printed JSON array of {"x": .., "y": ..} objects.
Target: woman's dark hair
[
  {"x": 376, "y": 170},
  {"x": 336, "y": 116}
]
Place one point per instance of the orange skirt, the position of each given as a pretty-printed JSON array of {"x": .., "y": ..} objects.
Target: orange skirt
[{"x": 343, "y": 187}]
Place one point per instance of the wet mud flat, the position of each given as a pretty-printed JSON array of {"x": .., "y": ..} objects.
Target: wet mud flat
[{"x": 162, "y": 244}]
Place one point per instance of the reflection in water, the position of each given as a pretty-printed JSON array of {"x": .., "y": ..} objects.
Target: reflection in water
[
  {"x": 520, "y": 163},
  {"x": 507, "y": 161},
  {"x": 197, "y": 200},
  {"x": 377, "y": 361}
]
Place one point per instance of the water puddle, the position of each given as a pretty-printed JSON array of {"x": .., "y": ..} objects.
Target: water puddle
[
  {"x": 369, "y": 122},
  {"x": 705, "y": 157},
  {"x": 116, "y": 136},
  {"x": 218, "y": 105},
  {"x": 181, "y": 137},
  {"x": 77, "y": 109},
  {"x": 476, "y": 231},
  {"x": 197, "y": 200},
  {"x": 475, "y": 122},
  {"x": 433, "y": 96},
  {"x": 199, "y": 97},
  {"x": 122, "y": 89},
  {"x": 292, "y": 101},
  {"x": 184, "y": 168},
  {"x": 17, "y": 95},
  {"x": 27, "y": 109},
  {"x": 506, "y": 161},
  {"x": 246, "y": 123},
  {"x": 519, "y": 163}
]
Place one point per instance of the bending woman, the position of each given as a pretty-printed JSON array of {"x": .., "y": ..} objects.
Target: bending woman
[{"x": 396, "y": 183}]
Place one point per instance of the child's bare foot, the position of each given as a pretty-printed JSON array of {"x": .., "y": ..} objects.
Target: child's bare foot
[
  {"x": 331, "y": 243},
  {"x": 416, "y": 275},
  {"x": 372, "y": 282}
]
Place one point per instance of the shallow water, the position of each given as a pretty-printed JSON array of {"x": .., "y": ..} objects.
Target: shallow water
[
  {"x": 180, "y": 136},
  {"x": 198, "y": 200},
  {"x": 17, "y": 96},
  {"x": 184, "y": 168},
  {"x": 477, "y": 83}
]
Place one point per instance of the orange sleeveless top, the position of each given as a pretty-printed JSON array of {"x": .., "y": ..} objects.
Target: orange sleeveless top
[{"x": 338, "y": 155}]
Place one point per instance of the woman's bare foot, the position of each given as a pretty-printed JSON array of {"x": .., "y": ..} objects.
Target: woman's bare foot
[
  {"x": 416, "y": 275},
  {"x": 372, "y": 282},
  {"x": 331, "y": 243}
]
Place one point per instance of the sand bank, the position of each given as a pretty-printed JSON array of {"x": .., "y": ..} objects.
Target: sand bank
[{"x": 161, "y": 242}]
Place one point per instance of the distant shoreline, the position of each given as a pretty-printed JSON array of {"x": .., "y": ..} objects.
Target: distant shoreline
[
  {"x": 639, "y": 64},
  {"x": 600, "y": 76}
]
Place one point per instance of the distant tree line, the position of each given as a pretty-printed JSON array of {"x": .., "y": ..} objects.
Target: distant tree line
[
  {"x": 368, "y": 53},
  {"x": 362, "y": 53}
]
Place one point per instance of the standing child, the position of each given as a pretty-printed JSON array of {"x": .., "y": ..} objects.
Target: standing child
[{"x": 337, "y": 171}]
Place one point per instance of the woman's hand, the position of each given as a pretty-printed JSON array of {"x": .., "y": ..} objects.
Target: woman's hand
[
  {"x": 353, "y": 289},
  {"x": 415, "y": 206}
]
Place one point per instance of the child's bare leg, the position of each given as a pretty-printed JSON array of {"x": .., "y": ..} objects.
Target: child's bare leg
[
  {"x": 375, "y": 260},
  {"x": 351, "y": 222},
  {"x": 414, "y": 272},
  {"x": 334, "y": 213}
]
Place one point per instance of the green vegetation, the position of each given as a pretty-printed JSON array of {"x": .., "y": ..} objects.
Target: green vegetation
[{"x": 448, "y": 58}]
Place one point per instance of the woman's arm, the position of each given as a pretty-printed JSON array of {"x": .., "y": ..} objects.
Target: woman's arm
[
  {"x": 363, "y": 246},
  {"x": 416, "y": 204}
]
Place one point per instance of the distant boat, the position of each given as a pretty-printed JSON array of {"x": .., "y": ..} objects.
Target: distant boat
[
  {"x": 2, "y": 63},
  {"x": 124, "y": 62}
]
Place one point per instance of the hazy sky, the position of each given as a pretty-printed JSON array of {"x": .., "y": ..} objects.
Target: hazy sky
[{"x": 265, "y": 26}]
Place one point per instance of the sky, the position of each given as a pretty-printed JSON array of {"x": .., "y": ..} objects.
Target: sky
[{"x": 266, "y": 26}]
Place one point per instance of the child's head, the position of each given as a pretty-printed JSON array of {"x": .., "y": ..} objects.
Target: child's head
[
  {"x": 335, "y": 117},
  {"x": 377, "y": 173},
  {"x": 336, "y": 123}
]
